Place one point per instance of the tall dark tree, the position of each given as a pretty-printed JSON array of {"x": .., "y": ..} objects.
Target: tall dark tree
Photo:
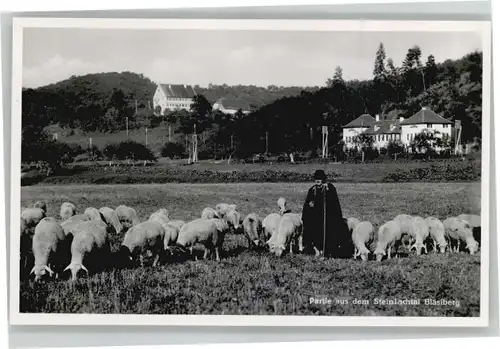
[
  {"x": 379, "y": 71},
  {"x": 431, "y": 70}
]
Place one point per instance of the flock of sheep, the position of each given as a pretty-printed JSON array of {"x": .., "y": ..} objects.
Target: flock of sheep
[{"x": 54, "y": 246}]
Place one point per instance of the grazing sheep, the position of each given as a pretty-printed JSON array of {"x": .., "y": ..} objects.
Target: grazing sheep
[
  {"x": 389, "y": 237},
  {"x": 73, "y": 221},
  {"x": 252, "y": 227},
  {"x": 41, "y": 204},
  {"x": 224, "y": 208},
  {"x": 233, "y": 218},
  {"x": 93, "y": 213},
  {"x": 32, "y": 216},
  {"x": 282, "y": 206},
  {"x": 209, "y": 232},
  {"x": 177, "y": 223},
  {"x": 209, "y": 213},
  {"x": 351, "y": 223},
  {"x": 406, "y": 224},
  {"x": 50, "y": 246},
  {"x": 145, "y": 236},
  {"x": 475, "y": 222},
  {"x": 420, "y": 232},
  {"x": 67, "y": 210},
  {"x": 270, "y": 225},
  {"x": 436, "y": 231},
  {"x": 289, "y": 233},
  {"x": 162, "y": 212},
  {"x": 90, "y": 245},
  {"x": 458, "y": 230},
  {"x": 362, "y": 234},
  {"x": 111, "y": 218},
  {"x": 127, "y": 216}
]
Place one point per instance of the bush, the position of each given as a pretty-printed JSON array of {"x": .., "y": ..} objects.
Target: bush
[
  {"x": 128, "y": 150},
  {"x": 444, "y": 172},
  {"x": 172, "y": 150}
]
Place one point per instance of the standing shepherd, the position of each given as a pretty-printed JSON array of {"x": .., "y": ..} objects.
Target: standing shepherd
[{"x": 323, "y": 221}]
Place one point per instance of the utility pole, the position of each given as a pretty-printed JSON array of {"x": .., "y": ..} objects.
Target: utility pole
[
  {"x": 325, "y": 142},
  {"x": 195, "y": 145},
  {"x": 169, "y": 133},
  {"x": 90, "y": 147},
  {"x": 126, "y": 123},
  {"x": 135, "y": 100},
  {"x": 146, "y": 136},
  {"x": 232, "y": 143},
  {"x": 267, "y": 142}
]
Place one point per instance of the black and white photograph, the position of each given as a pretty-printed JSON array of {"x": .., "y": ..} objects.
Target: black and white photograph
[{"x": 250, "y": 172}]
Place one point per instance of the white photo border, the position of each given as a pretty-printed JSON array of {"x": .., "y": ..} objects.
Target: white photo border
[{"x": 19, "y": 23}]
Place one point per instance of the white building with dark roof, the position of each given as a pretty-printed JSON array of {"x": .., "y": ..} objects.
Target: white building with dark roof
[
  {"x": 404, "y": 130},
  {"x": 173, "y": 97},
  {"x": 230, "y": 105}
]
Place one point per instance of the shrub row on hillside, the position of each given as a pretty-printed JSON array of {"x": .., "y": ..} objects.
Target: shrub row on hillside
[{"x": 446, "y": 172}]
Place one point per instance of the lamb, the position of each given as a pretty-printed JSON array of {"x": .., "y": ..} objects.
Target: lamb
[
  {"x": 457, "y": 230},
  {"x": 145, "y": 236},
  {"x": 67, "y": 210},
  {"x": 41, "y": 204},
  {"x": 436, "y": 231},
  {"x": 270, "y": 225},
  {"x": 209, "y": 232},
  {"x": 209, "y": 213},
  {"x": 127, "y": 216},
  {"x": 93, "y": 213},
  {"x": 289, "y": 233},
  {"x": 90, "y": 244},
  {"x": 362, "y": 234},
  {"x": 419, "y": 231},
  {"x": 252, "y": 227},
  {"x": 389, "y": 237},
  {"x": 351, "y": 223},
  {"x": 50, "y": 246},
  {"x": 475, "y": 222},
  {"x": 111, "y": 218}
]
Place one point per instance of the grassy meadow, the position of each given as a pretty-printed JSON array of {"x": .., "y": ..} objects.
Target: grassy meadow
[{"x": 252, "y": 282}]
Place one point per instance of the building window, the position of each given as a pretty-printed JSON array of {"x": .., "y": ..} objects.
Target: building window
[
  {"x": 407, "y": 136},
  {"x": 445, "y": 125},
  {"x": 429, "y": 125}
]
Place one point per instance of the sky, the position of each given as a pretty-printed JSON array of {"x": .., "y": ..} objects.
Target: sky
[{"x": 223, "y": 56}]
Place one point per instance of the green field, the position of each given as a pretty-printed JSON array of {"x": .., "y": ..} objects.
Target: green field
[{"x": 247, "y": 282}]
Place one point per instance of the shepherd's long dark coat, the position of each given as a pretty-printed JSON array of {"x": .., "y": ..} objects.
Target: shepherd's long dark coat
[{"x": 338, "y": 239}]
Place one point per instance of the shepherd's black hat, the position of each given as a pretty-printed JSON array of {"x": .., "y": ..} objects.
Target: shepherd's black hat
[{"x": 319, "y": 174}]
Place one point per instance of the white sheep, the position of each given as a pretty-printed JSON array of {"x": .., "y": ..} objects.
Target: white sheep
[
  {"x": 436, "y": 231},
  {"x": 176, "y": 223},
  {"x": 351, "y": 223},
  {"x": 252, "y": 227},
  {"x": 233, "y": 218},
  {"x": 171, "y": 227},
  {"x": 475, "y": 222},
  {"x": 362, "y": 234},
  {"x": 49, "y": 248},
  {"x": 282, "y": 206},
  {"x": 73, "y": 221},
  {"x": 224, "y": 208},
  {"x": 111, "y": 217},
  {"x": 406, "y": 224},
  {"x": 209, "y": 232},
  {"x": 90, "y": 244},
  {"x": 93, "y": 213},
  {"x": 209, "y": 213},
  {"x": 41, "y": 204},
  {"x": 68, "y": 209},
  {"x": 458, "y": 230},
  {"x": 143, "y": 237},
  {"x": 162, "y": 212},
  {"x": 289, "y": 233},
  {"x": 420, "y": 232},
  {"x": 127, "y": 216},
  {"x": 270, "y": 225},
  {"x": 31, "y": 217},
  {"x": 388, "y": 237}
]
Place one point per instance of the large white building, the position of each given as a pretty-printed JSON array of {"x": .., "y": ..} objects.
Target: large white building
[
  {"x": 231, "y": 105},
  {"x": 403, "y": 130},
  {"x": 173, "y": 97}
]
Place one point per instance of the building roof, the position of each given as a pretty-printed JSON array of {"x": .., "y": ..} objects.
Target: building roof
[
  {"x": 426, "y": 116},
  {"x": 384, "y": 127},
  {"x": 178, "y": 91},
  {"x": 233, "y": 103},
  {"x": 365, "y": 120}
]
